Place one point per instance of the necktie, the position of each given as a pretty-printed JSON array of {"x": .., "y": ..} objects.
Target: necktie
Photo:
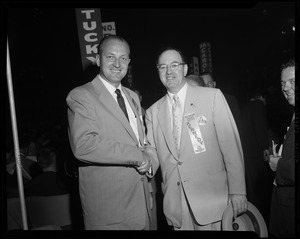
[
  {"x": 177, "y": 121},
  {"x": 121, "y": 102}
]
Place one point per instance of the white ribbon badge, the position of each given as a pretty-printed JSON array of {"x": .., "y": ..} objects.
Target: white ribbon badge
[{"x": 195, "y": 133}]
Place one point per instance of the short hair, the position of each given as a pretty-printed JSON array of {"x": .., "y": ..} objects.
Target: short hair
[
  {"x": 110, "y": 37},
  {"x": 198, "y": 80},
  {"x": 170, "y": 48},
  {"x": 289, "y": 63},
  {"x": 208, "y": 73}
]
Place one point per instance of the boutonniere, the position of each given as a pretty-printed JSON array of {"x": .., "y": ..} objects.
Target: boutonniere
[
  {"x": 202, "y": 120},
  {"x": 135, "y": 105}
]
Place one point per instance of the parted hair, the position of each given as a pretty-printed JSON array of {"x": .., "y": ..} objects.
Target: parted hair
[
  {"x": 110, "y": 37},
  {"x": 170, "y": 48}
]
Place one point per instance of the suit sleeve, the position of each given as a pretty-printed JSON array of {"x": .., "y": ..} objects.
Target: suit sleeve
[
  {"x": 151, "y": 148},
  {"x": 230, "y": 144},
  {"x": 88, "y": 138}
]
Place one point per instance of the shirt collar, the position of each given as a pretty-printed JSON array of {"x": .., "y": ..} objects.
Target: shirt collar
[
  {"x": 181, "y": 94},
  {"x": 109, "y": 86}
]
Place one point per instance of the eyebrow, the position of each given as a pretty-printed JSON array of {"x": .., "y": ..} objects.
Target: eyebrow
[{"x": 171, "y": 62}]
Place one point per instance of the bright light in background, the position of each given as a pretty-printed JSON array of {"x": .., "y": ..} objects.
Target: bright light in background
[{"x": 293, "y": 28}]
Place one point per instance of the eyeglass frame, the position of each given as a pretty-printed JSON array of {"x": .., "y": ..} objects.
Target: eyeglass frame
[{"x": 177, "y": 64}]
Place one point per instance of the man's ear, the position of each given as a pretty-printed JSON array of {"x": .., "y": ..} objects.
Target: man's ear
[
  {"x": 215, "y": 83},
  {"x": 98, "y": 60},
  {"x": 185, "y": 69}
]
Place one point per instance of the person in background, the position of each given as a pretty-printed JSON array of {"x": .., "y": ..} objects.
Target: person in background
[
  {"x": 256, "y": 152},
  {"x": 49, "y": 182},
  {"x": 29, "y": 166},
  {"x": 202, "y": 160},
  {"x": 195, "y": 79},
  {"x": 282, "y": 214},
  {"x": 109, "y": 141}
]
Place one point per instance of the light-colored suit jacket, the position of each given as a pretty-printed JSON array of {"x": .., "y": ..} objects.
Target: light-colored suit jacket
[
  {"x": 113, "y": 194},
  {"x": 208, "y": 177}
]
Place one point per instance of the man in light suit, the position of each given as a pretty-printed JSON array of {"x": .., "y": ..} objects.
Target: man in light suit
[
  {"x": 206, "y": 173},
  {"x": 112, "y": 180},
  {"x": 282, "y": 214}
]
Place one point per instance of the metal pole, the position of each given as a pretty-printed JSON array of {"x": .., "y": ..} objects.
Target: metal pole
[{"x": 16, "y": 141}]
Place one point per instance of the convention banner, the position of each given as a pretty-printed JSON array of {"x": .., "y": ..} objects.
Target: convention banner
[
  {"x": 193, "y": 65},
  {"x": 90, "y": 33},
  {"x": 205, "y": 57}
]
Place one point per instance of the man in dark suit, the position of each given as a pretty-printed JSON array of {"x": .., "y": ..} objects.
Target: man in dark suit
[
  {"x": 256, "y": 151},
  {"x": 282, "y": 216},
  {"x": 202, "y": 167},
  {"x": 111, "y": 143}
]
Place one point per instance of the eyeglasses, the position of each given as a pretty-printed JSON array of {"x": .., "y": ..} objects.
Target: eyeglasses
[{"x": 174, "y": 66}]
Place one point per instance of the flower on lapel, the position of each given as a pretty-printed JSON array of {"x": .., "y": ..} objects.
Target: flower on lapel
[
  {"x": 135, "y": 105},
  {"x": 202, "y": 120}
]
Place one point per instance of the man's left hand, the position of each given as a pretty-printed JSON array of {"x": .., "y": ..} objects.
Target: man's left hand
[
  {"x": 239, "y": 204},
  {"x": 145, "y": 165}
]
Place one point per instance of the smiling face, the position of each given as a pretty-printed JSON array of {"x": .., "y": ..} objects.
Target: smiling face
[
  {"x": 113, "y": 61},
  {"x": 288, "y": 84},
  {"x": 172, "y": 75}
]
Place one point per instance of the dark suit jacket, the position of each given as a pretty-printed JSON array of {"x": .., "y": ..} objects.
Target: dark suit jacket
[
  {"x": 255, "y": 140},
  {"x": 282, "y": 216},
  {"x": 114, "y": 195}
]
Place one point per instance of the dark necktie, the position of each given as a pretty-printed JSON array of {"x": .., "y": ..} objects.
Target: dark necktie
[{"x": 121, "y": 102}]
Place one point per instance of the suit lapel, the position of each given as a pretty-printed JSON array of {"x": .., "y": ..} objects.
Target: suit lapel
[
  {"x": 165, "y": 125},
  {"x": 291, "y": 130},
  {"x": 111, "y": 105},
  {"x": 135, "y": 108}
]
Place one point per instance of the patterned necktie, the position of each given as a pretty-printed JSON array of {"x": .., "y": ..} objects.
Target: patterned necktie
[
  {"x": 177, "y": 121},
  {"x": 121, "y": 102}
]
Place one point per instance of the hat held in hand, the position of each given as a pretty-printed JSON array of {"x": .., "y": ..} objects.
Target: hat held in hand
[{"x": 251, "y": 220}]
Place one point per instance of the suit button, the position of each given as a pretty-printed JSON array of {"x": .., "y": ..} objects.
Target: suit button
[{"x": 178, "y": 183}]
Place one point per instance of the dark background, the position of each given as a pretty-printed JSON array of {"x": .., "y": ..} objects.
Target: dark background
[{"x": 248, "y": 43}]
